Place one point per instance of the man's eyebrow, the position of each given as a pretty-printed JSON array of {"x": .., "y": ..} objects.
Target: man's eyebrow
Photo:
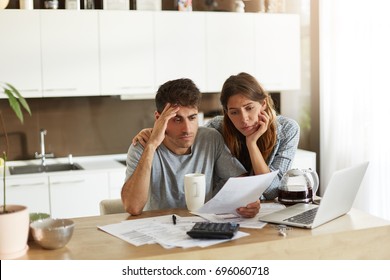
[{"x": 189, "y": 116}]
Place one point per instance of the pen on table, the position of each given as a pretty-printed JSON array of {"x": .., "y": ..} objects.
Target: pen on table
[{"x": 174, "y": 219}]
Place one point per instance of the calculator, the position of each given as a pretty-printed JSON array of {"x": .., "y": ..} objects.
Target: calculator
[{"x": 213, "y": 230}]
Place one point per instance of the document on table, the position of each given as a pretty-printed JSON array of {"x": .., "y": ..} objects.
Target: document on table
[
  {"x": 237, "y": 192},
  {"x": 266, "y": 208},
  {"x": 161, "y": 230}
]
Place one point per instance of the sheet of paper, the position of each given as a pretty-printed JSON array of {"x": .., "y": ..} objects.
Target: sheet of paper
[
  {"x": 237, "y": 192},
  {"x": 254, "y": 222}
]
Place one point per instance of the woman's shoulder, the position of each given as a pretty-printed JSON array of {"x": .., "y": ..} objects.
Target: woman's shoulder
[
  {"x": 287, "y": 125},
  {"x": 215, "y": 123}
]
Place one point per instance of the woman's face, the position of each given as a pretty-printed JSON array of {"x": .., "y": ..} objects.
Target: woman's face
[{"x": 244, "y": 113}]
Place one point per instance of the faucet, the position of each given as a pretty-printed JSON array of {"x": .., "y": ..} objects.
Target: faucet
[{"x": 43, "y": 154}]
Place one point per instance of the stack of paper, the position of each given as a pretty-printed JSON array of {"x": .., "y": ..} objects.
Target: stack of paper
[
  {"x": 235, "y": 193},
  {"x": 161, "y": 230}
]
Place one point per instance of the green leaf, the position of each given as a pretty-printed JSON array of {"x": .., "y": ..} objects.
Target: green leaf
[
  {"x": 13, "y": 102},
  {"x": 20, "y": 98}
]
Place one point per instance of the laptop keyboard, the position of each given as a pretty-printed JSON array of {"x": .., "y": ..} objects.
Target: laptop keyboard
[{"x": 306, "y": 217}]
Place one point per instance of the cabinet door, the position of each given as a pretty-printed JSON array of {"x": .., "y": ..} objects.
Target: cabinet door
[
  {"x": 70, "y": 57},
  {"x": 77, "y": 195},
  {"x": 230, "y": 47},
  {"x": 278, "y": 51},
  {"x": 116, "y": 181},
  {"x": 32, "y": 192},
  {"x": 20, "y": 51},
  {"x": 180, "y": 47},
  {"x": 126, "y": 53}
]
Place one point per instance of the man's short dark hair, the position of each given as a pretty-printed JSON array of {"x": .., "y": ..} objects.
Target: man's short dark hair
[{"x": 182, "y": 92}]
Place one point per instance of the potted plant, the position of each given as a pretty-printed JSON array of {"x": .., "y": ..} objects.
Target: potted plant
[{"x": 14, "y": 219}]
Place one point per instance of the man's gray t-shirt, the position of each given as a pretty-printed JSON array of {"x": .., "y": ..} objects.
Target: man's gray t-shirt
[{"x": 209, "y": 155}]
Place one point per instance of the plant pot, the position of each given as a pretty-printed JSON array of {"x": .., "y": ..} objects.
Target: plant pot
[{"x": 14, "y": 228}]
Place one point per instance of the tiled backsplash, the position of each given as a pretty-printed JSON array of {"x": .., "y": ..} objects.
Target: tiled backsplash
[
  {"x": 80, "y": 126},
  {"x": 84, "y": 126}
]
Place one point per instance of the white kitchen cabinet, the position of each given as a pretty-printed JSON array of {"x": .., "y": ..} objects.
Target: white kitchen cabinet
[
  {"x": 116, "y": 180},
  {"x": 32, "y": 192},
  {"x": 53, "y": 53},
  {"x": 127, "y": 53},
  {"x": 230, "y": 47},
  {"x": 304, "y": 160},
  {"x": 77, "y": 195},
  {"x": 277, "y": 54},
  {"x": 70, "y": 53},
  {"x": 180, "y": 47},
  {"x": 20, "y": 51}
]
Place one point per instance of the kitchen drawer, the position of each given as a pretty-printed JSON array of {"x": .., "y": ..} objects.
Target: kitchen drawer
[
  {"x": 32, "y": 192},
  {"x": 77, "y": 195}
]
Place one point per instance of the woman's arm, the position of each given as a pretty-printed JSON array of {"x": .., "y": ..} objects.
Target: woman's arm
[
  {"x": 259, "y": 165},
  {"x": 283, "y": 156},
  {"x": 142, "y": 137}
]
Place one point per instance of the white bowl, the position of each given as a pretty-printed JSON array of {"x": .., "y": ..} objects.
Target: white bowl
[{"x": 52, "y": 233}]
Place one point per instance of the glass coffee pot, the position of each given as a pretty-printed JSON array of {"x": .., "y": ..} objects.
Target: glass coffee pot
[{"x": 298, "y": 186}]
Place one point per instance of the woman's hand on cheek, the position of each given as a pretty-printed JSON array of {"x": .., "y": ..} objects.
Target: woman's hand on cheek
[
  {"x": 262, "y": 126},
  {"x": 263, "y": 122}
]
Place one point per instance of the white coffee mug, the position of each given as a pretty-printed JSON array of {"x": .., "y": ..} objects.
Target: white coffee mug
[
  {"x": 26, "y": 4},
  {"x": 195, "y": 190}
]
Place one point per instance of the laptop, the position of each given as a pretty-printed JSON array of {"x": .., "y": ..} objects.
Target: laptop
[{"x": 337, "y": 201}]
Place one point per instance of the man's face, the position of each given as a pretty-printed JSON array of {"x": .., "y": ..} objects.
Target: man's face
[{"x": 181, "y": 130}]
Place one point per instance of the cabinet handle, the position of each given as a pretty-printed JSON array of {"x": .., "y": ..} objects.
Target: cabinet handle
[
  {"x": 29, "y": 90},
  {"x": 133, "y": 87},
  {"x": 67, "y": 182},
  {"x": 27, "y": 185},
  {"x": 60, "y": 89}
]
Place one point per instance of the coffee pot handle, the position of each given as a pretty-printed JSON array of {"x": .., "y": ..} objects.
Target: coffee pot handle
[{"x": 316, "y": 181}]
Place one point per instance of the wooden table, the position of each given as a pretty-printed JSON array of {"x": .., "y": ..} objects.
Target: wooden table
[{"x": 356, "y": 235}]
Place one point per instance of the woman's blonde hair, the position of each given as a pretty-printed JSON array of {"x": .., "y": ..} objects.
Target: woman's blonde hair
[{"x": 246, "y": 85}]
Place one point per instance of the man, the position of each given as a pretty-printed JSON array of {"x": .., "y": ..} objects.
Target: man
[{"x": 177, "y": 146}]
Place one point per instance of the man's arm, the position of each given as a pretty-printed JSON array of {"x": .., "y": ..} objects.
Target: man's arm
[{"x": 135, "y": 191}]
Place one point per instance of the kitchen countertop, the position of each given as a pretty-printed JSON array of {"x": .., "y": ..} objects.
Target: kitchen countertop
[{"x": 88, "y": 163}]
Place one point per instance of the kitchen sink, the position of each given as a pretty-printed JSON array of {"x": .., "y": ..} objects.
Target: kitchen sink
[{"x": 28, "y": 169}]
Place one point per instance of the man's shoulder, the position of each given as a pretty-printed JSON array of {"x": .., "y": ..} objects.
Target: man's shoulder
[
  {"x": 207, "y": 132},
  {"x": 209, "y": 136},
  {"x": 135, "y": 149}
]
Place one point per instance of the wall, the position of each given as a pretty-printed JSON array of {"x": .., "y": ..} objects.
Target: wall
[
  {"x": 84, "y": 126},
  {"x": 303, "y": 105},
  {"x": 78, "y": 126}
]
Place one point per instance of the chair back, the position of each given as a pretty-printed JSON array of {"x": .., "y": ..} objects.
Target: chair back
[{"x": 111, "y": 206}]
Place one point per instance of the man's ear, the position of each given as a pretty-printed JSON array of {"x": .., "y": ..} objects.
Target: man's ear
[{"x": 156, "y": 115}]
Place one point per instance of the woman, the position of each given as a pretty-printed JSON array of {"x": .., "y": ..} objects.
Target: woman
[{"x": 261, "y": 140}]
